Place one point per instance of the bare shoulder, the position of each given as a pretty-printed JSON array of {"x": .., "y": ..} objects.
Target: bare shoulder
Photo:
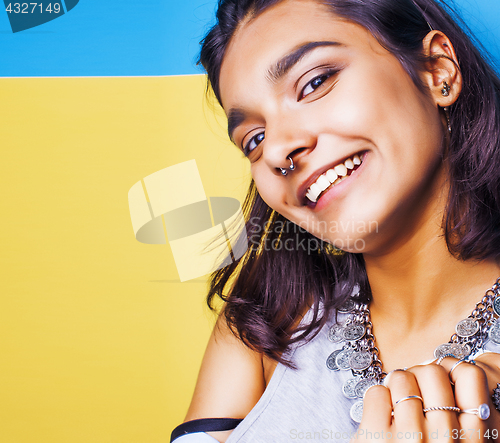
[{"x": 231, "y": 378}]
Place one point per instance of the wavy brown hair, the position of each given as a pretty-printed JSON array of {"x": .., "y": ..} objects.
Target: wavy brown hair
[{"x": 286, "y": 270}]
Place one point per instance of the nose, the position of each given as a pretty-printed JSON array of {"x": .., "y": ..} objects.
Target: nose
[{"x": 287, "y": 143}]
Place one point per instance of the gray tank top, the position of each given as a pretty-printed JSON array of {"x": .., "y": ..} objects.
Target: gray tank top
[{"x": 305, "y": 404}]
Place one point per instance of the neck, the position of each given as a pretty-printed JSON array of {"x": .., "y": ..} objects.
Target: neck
[
  {"x": 417, "y": 300},
  {"x": 421, "y": 281},
  {"x": 420, "y": 291}
]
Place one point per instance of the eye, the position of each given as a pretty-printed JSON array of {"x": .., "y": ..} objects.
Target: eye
[
  {"x": 314, "y": 84},
  {"x": 253, "y": 143}
]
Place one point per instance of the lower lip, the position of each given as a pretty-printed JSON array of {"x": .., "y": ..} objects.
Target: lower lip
[{"x": 335, "y": 191}]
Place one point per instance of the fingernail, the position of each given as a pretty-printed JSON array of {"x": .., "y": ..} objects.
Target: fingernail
[
  {"x": 389, "y": 374},
  {"x": 369, "y": 389}
]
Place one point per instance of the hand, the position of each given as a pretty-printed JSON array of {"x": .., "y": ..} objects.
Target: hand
[
  {"x": 469, "y": 378},
  {"x": 406, "y": 421}
]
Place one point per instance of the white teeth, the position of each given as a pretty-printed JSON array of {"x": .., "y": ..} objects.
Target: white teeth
[
  {"x": 311, "y": 197},
  {"x": 315, "y": 190},
  {"x": 323, "y": 182},
  {"x": 331, "y": 175},
  {"x": 341, "y": 170}
]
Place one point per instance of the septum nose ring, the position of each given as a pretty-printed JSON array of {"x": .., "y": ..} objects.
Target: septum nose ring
[{"x": 291, "y": 167}]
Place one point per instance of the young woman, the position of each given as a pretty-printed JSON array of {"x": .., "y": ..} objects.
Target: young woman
[{"x": 372, "y": 128}]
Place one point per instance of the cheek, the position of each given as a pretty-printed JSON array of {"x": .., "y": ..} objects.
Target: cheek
[
  {"x": 268, "y": 185},
  {"x": 363, "y": 105}
]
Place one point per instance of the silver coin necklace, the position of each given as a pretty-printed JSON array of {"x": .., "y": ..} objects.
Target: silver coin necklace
[{"x": 360, "y": 355}]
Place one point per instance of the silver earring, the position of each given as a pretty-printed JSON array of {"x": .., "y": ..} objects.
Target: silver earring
[
  {"x": 291, "y": 167},
  {"x": 447, "y": 114},
  {"x": 446, "y": 89}
]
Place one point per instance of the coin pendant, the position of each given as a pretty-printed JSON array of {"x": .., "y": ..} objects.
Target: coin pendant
[
  {"x": 467, "y": 327},
  {"x": 494, "y": 334},
  {"x": 336, "y": 333},
  {"x": 496, "y": 305},
  {"x": 330, "y": 361},
  {"x": 354, "y": 331},
  {"x": 359, "y": 361},
  {"x": 342, "y": 359},
  {"x": 348, "y": 306},
  {"x": 349, "y": 387},
  {"x": 460, "y": 350},
  {"x": 442, "y": 350},
  {"x": 356, "y": 411},
  {"x": 363, "y": 386}
]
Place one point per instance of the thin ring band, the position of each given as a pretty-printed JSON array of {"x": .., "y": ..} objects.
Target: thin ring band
[
  {"x": 442, "y": 408},
  {"x": 462, "y": 360},
  {"x": 440, "y": 359},
  {"x": 410, "y": 397}
]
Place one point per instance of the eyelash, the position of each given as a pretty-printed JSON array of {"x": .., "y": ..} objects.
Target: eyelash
[
  {"x": 246, "y": 148},
  {"x": 255, "y": 139},
  {"x": 325, "y": 76}
]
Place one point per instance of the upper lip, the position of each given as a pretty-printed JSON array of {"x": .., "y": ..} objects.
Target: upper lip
[{"x": 302, "y": 190}]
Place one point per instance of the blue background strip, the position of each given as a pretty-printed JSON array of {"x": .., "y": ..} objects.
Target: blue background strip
[{"x": 137, "y": 38}]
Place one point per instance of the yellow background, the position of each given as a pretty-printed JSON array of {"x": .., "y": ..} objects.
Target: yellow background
[{"x": 100, "y": 342}]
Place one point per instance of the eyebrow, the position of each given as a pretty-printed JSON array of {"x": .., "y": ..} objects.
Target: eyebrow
[
  {"x": 236, "y": 116},
  {"x": 283, "y": 65}
]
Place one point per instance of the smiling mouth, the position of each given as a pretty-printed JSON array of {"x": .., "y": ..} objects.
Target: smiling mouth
[{"x": 333, "y": 177}]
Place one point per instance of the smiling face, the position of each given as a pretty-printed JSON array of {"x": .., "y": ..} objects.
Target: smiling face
[{"x": 299, "y": 82}]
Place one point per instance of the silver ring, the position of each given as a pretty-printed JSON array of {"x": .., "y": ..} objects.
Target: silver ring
[
  {"x": 482, "y": 411},
  {"x": 440, "y": 359},
  {"x": 291, "y": 167},
  {"x": 462, "y": 360},
  {"x": 410, "y": 397},
  {"x": 442, "y": 408}
]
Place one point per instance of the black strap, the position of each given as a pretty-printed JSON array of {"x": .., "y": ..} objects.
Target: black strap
[{"x": 205, "y": 425}]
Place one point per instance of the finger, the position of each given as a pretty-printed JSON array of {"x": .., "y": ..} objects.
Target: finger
[
  {"x": 491, "y": 359},
  {"x": 490, "y": 363},
  {"x": 471, "y": 391},
  {"x": 449, "y": 364},
  {"x": 377, "y": 407},
  {"x": 437, "y": 392},
  {"x": 407, "y": 412}
]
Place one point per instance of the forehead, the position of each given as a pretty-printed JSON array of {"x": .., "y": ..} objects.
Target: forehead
[{"x": 261, "y": 41}]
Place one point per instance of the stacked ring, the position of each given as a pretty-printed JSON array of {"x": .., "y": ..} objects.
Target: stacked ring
[
  {"x": 410, "y": 397},
  {"x": 443, "y": 408},
  {"x": 462, "y": 360},
  {"x": 440, "y": 359}
]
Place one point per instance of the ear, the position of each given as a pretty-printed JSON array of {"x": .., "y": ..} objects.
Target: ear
[{"x": 442, "y": 74}]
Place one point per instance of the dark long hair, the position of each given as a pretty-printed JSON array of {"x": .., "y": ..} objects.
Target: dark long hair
[{"x": 286, "y": 270}]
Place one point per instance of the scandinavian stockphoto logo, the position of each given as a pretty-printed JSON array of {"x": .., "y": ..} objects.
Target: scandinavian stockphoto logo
[
  {"x": 205, "y": 234},
  {"x": 24, "y": 16}
]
